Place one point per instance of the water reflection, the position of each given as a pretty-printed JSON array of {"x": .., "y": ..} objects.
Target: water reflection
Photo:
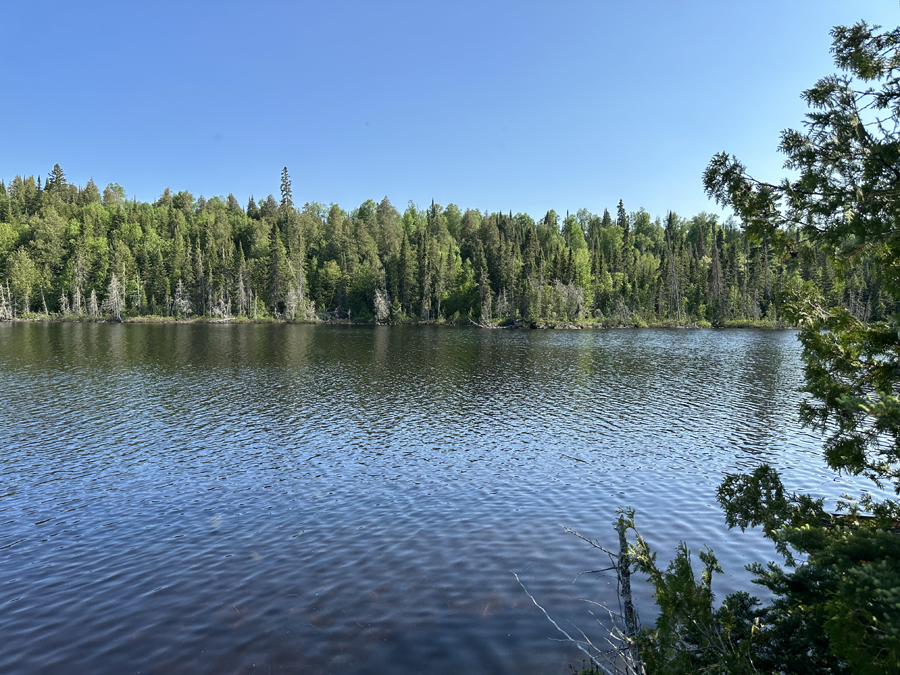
[{"x": 223, "y": 498}]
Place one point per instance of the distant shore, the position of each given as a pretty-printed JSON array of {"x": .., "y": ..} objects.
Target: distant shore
[{"x": 543, "y": 324}]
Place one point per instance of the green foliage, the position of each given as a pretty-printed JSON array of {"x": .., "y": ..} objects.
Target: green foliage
[
  {"x": 835, "y": 604},
  {"x": 845, "y": 157},
  {"x": 841, "y": 203},
  {"x": 23, "y": 277},
  {"x": 838, "y": 609},
  {"x": 837, "y": 612},
  {"x": 844, "y": 599},
  {"x": 437, "y": 263},
  {"x": 691, "y": 634}
]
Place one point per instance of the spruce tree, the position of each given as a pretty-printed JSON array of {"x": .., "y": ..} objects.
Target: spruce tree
[
  {"x": 252, "y": 208},
  {"x": 286, "y": 197},
  {"x": 56, "y": 181}
]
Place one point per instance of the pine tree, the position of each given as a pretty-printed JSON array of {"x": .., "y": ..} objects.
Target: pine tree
[{"x": 286, "y": 197}]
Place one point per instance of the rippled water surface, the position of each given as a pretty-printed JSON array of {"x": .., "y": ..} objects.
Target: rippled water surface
[{"x": 304, "y": 499}]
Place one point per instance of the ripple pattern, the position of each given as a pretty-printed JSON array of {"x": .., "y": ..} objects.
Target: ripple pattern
[{"x": 322, "y": 499}]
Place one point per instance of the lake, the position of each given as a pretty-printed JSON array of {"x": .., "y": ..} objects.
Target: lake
[{"x": 355, "y": 499}]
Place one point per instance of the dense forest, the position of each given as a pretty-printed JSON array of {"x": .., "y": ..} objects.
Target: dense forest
[{"x": 73, "y": 251}]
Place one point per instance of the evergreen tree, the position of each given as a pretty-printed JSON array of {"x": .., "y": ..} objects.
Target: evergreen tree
[
  {"x": 252, "y": 209},
  {"x": 56, "y": 181},
  {"x": 286, "y": 196},
  {"x": 406, "y": 275},
  {"x": 837, "y": 612}
]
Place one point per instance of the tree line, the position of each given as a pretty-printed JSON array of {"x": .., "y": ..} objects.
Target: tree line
[{"x": 77, "y": 251}]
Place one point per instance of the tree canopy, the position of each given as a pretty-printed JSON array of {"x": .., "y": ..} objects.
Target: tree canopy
[
  {"x": 61, "y": 245},
  {"x": 836, "y": 603},
  {"x": 846, "y": 202}
]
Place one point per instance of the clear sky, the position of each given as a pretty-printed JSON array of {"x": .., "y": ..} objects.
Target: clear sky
[{"x": 522, "y": 106}]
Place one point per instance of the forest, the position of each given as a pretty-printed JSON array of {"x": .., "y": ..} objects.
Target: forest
[{"x": 69, "y": 251}]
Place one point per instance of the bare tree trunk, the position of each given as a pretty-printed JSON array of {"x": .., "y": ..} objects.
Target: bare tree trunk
[{"x": 623, "y": 570}]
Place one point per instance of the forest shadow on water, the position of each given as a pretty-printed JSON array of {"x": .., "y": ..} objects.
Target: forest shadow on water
[{"x": 214, "y": 498}]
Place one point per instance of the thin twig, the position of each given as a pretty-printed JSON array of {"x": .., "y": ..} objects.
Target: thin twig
[{"x": 559, "y": 628}]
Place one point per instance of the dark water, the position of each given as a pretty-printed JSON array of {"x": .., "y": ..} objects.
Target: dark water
[{"x": 304, "y": 499}]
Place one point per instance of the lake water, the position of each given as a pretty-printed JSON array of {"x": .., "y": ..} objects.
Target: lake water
[{"x": 339, "y": 499}]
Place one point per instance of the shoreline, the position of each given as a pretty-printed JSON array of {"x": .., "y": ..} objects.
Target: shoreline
[{"x": 519, "y": 324}]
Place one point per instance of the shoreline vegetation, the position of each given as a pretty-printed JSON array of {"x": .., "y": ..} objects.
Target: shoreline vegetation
[
  {"x": 759, "y": 324},
  {"x": 79, "y": 252}
]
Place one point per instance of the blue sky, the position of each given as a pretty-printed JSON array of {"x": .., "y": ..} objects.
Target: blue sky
[{"x": 522, "y": 106}]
